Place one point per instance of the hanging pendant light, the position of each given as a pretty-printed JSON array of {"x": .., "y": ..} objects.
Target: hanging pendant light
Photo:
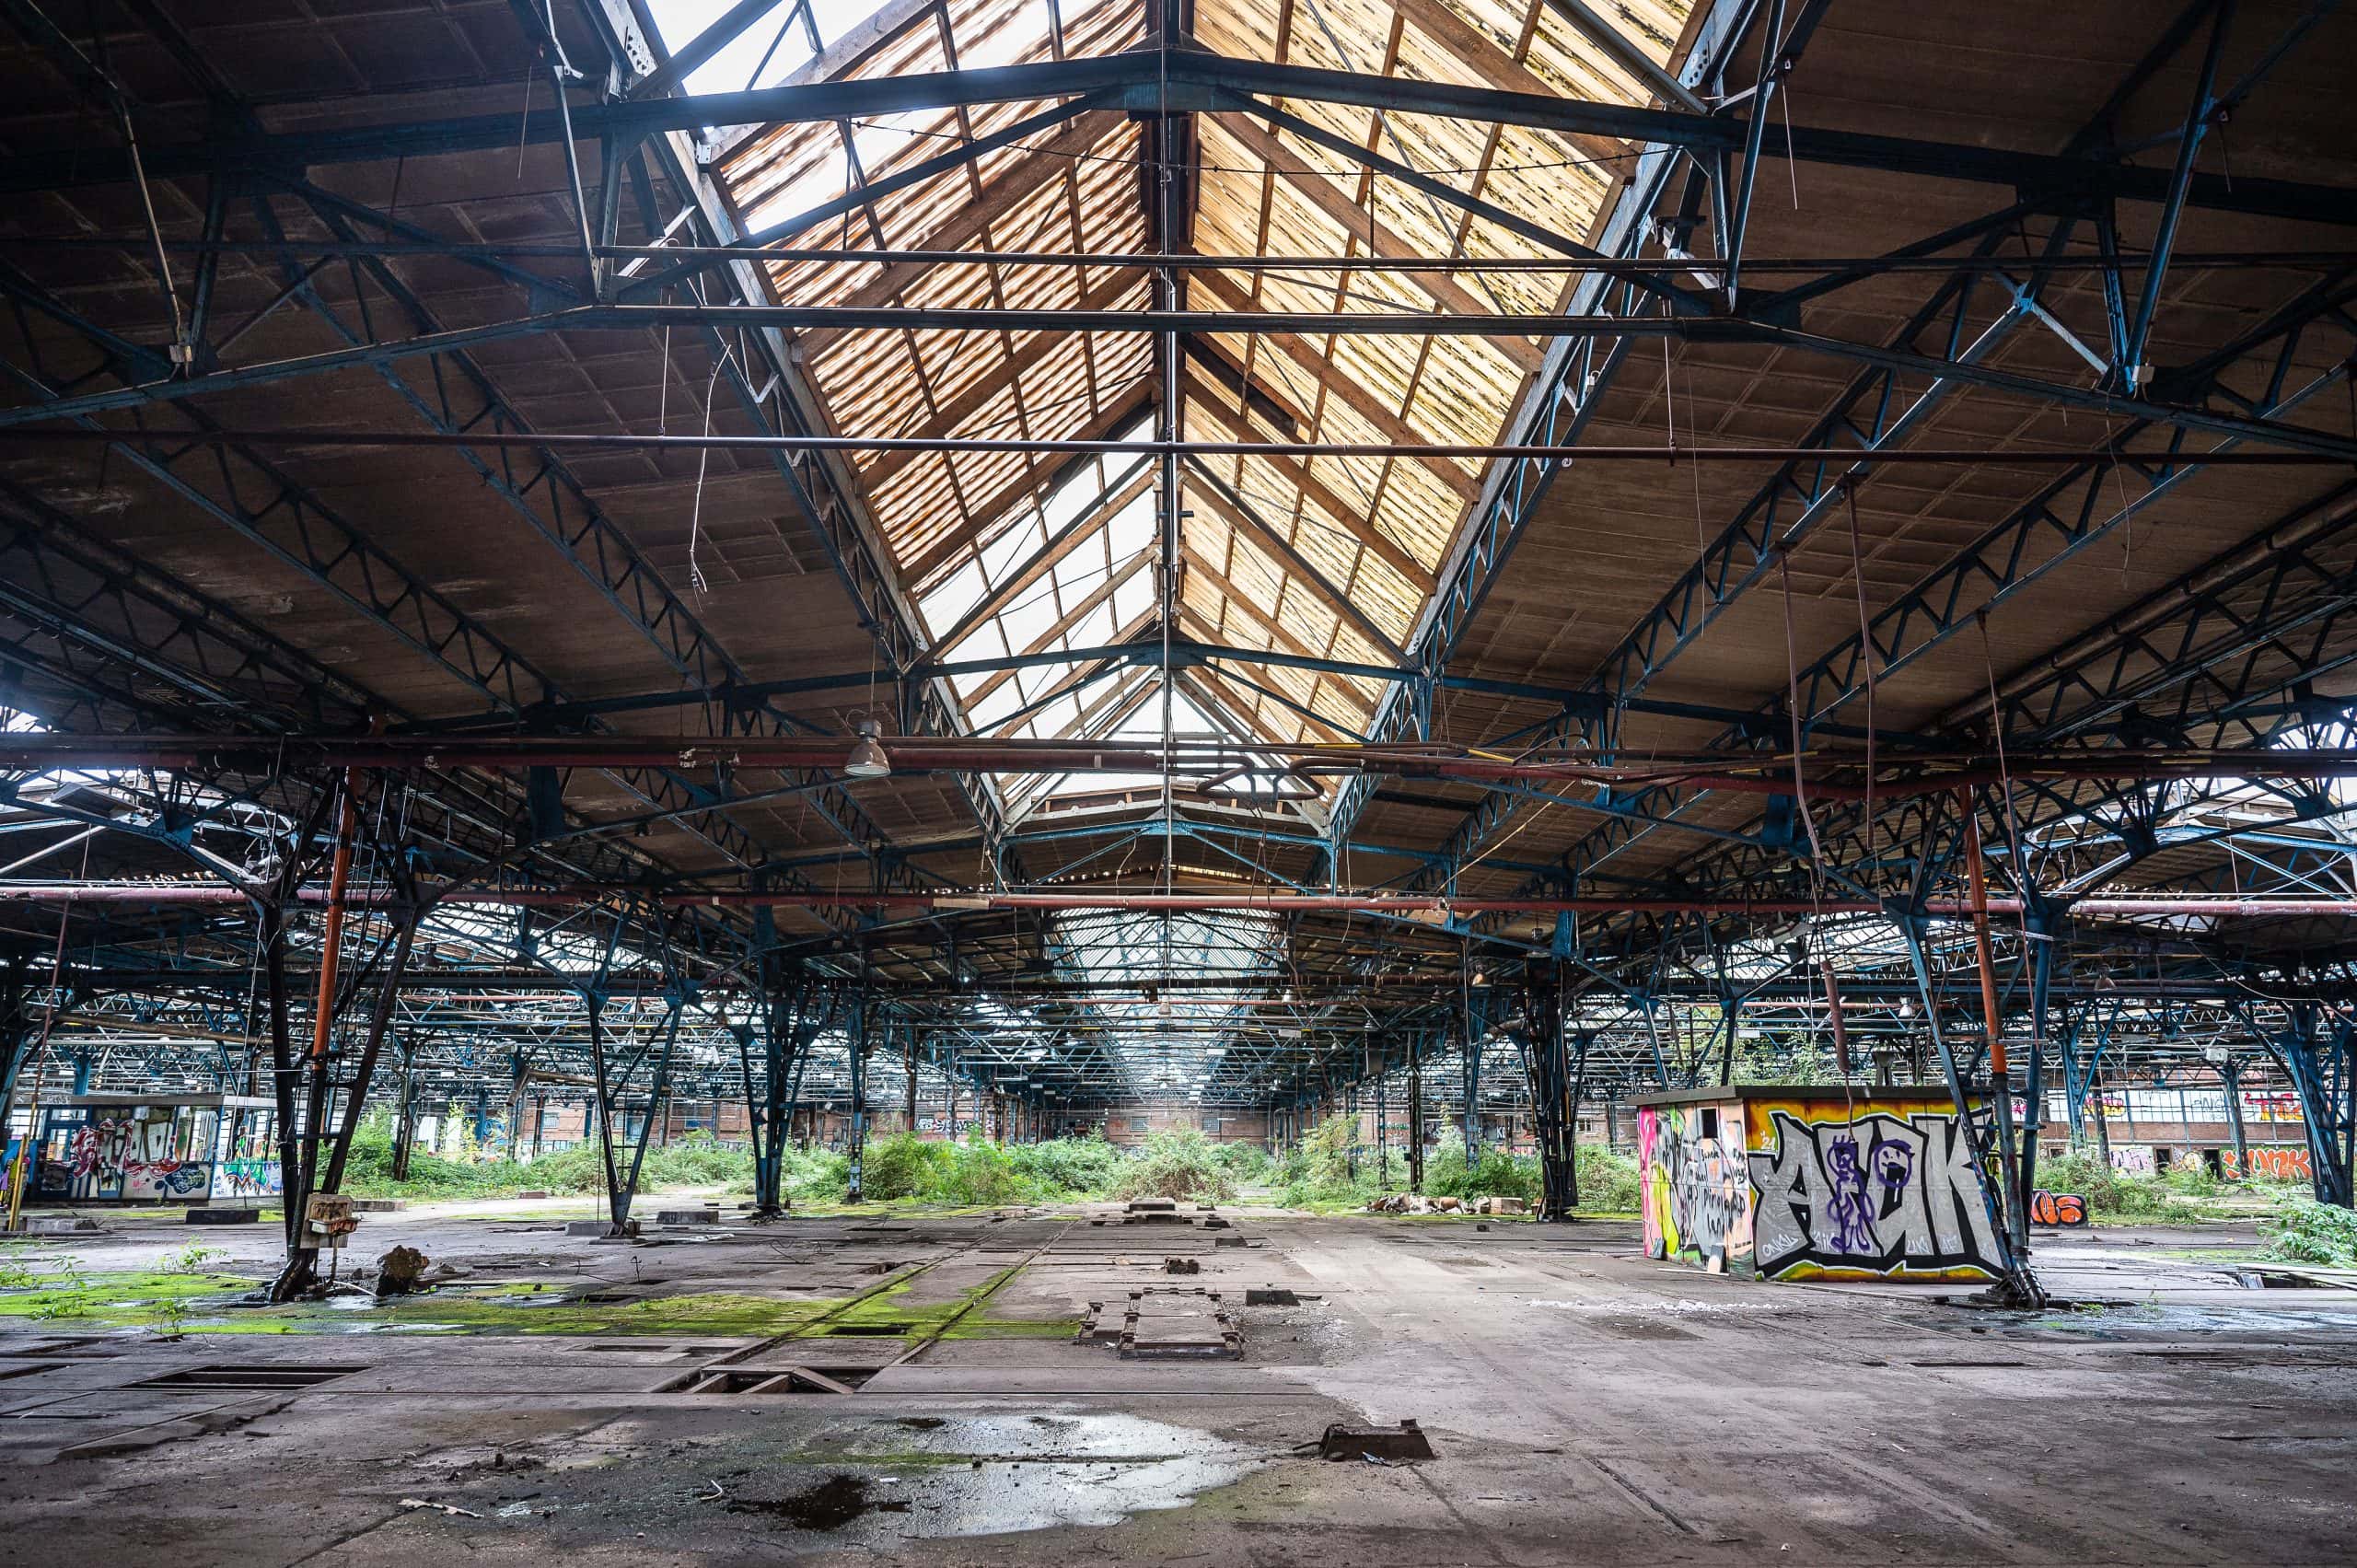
[{"x": 868, "y": 759}]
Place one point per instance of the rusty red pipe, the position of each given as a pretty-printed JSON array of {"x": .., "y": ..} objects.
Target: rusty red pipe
[{"x": 2215, "y": 906}]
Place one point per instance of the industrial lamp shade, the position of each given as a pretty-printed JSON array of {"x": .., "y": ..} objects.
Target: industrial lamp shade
[{"x": 868, "y": 759}]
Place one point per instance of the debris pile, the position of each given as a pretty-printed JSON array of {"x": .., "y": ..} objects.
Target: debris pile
[
  {"x": 399, "y": 1270},
  {"x": 1417, "y": 1203}
]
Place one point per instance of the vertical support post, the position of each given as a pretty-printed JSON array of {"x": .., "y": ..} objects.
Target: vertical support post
[
  {"x": 379, "y": 1020},
  {"x": 1553, "y": 1099},
  {"x": 855, "y": 1141},
  {"x": 657, "y": 1104},
  {"x": 1730, "y": 1028},
  {"x": 272, "y": 934},
  {"x": 2322, "y": 1067},
  {"x": 1993, "y": 1026},
  {"x": 1472, "y": 1065},
  {"x": 908, "y": 1069},
  {"x": 297, "y": 1179},
  {"x": 405, "y": 1115},
  {"x": 1416, "y": 1111},
  {"x": 2230, "y": 1077},
  {"x": 2015, "y": 1285},
  {"x": 2043, "y": 931},
  {"x": 595, "y": 1002}
]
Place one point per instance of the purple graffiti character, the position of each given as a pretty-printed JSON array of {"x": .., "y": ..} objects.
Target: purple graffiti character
[
  {"x": 1853, "y": 1228},
  {"x": 1894, "y": 1167}
]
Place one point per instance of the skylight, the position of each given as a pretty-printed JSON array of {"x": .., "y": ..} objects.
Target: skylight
[{"x": 1291, "y": 567}]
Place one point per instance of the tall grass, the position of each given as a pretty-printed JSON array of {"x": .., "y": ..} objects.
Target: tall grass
[
  {"x": 1181, "y": 1164},
  {"x": 696, "y": 1160}
]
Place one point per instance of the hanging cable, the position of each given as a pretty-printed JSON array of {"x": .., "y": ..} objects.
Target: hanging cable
[{"x": 1865, "y": 652}]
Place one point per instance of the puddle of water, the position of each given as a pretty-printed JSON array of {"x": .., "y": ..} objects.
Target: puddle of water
[
  {"x": 830, "y": 1506},
  {"x": 977, "y": 1475},
  {"x": 2138, "y": 1320}
]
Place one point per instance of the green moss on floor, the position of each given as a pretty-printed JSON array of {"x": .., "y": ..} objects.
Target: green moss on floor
[
  {"x": 125, "y": 1299},
  {"x": 202, "y": 1304},
  {"x": 728, "y": 1315},
  {"x": 980, "y": 1327}
]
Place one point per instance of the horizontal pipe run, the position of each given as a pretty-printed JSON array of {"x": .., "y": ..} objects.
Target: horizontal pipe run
[
  {"x": 1407, "y": 905},
  {"x": 1763, "y": 772},
  {"x": 1669, "y": 455}
]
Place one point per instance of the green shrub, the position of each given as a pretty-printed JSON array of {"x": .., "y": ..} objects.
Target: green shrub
[
  {"x": 902, "y": 1165},
  {"x": 815, "y": 1176},
  {"x": 1608, "y": 1182},
  {"x": 696, "y": 1160},
  {"x": 1178, "y": 1164},
  {"x": 1316, "y": 1172},
  {"x": 1246, "y": 1163},
  {"x": 981, "y": 1174},
  {"x": 1494, "y": 1174},
  {"x": 2308, "y": 1232},
  {"x": 1070, "y": 1168},
  {"x": 2117, "y": 1195}
]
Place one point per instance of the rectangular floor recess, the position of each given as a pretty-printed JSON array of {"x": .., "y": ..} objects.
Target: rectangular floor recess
[
  {"x": 771, "y": 1380},
  {"x": 208, "y": 1378}
]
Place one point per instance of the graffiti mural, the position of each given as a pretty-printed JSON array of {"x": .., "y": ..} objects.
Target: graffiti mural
[
  {"x": 248, "y": 1178},
  {"x": 2272, "y": 1162},
  {"x": 128, "y": 1156},
  {"x": 1868, "y": 1195},
  {"x": 1697, "y": 1199},
  {"x": 2057, "y": 1208},
  {"x": 2136, "y": 1159}
]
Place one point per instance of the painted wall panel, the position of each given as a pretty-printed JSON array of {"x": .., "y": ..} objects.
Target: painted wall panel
[
  {"x": 1697, "y": 1200},
  {"x": 1841, "y": 1193}
]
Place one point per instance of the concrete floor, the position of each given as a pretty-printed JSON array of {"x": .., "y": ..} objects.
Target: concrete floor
[{"x": 1586, "y": 1405}]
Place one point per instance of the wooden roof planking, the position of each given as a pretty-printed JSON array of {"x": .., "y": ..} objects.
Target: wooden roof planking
[{"x": 1326, "y": 557}]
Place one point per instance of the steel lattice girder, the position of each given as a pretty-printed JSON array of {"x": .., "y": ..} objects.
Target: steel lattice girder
[
  {"x": 2066, "y": 516},
  {"x": 1147, "y": 81}
]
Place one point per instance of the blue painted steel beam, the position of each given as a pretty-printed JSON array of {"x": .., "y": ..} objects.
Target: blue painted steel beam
[{"x": 1152, "y": 81}]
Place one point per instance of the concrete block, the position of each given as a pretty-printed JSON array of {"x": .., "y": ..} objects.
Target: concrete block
[
  {"x": 223, "y": 1217},
  {"x": 378, "y": 1205},
  {"x": 55, "y": 1225},
  {"x": 687, "y": 1217}
]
